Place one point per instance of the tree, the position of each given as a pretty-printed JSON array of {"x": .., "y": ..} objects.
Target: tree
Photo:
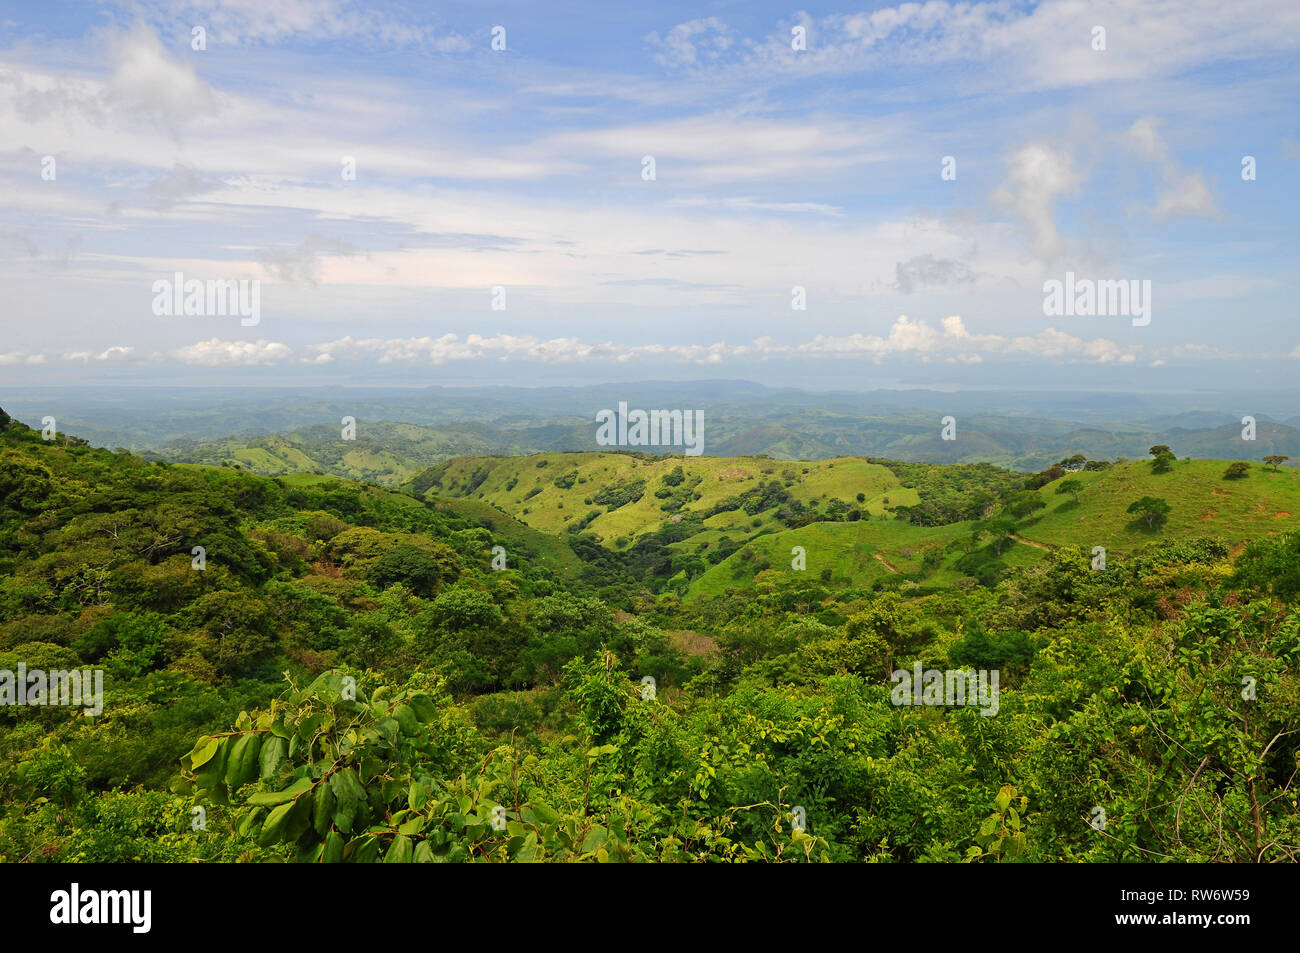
[
  {"x": 1236, "y": 471},
  {"x": 413, "y": 567},
  {"x": 1073, "y": 487},
  {"x": 1001, "y": 529},
  {"x": 1024, "y": 503},
  {"x": 1152, "y": 509},
  {"x": 1276, "y": 460},
  {"x": 4, "y": 419},
  {"x": 1160, "y": 449},
  {"x": 1163, "y": 462}
]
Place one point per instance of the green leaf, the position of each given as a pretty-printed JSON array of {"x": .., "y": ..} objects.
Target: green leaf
[
  {"x": 400, "y": 851},
  {"x": 273, "y": 829},
  {"x": 404, "y": 715},
  {"x": 417, "y": 796},
  {"x": 279, "y": 797},
  {"x": 241, "y": 763},
  {"x": 203, "y": 751},
  {"x": 539, "y": 814},
  {"x": 366, "y": 849},
  {"x": 275, "y": 751},
  {"x": 307, "y": 727},
  {"x": 299, "y": 819},
  {"x": 333, "y": 852},
  {"x": 424, "y": 708},
  {"x": 349, "y": 795},
  {"x": 323, "y": 802}
]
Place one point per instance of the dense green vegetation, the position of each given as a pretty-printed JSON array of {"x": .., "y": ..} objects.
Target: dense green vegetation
[{"x": 349, "y": 678}]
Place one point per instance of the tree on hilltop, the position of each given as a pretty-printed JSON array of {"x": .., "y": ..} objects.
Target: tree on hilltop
[
  {"x": 1152, "y": 510},
  {"x": 1073, "y": 487}
]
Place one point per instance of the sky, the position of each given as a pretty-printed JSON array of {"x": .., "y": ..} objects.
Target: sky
[{"x": 479, "y": 193}]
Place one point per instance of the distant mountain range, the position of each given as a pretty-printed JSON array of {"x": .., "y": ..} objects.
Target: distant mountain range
[{"x": 400, "y": 432}]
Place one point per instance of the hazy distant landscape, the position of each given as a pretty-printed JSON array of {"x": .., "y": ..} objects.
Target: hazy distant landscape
[{"x": 400, "y": 432}]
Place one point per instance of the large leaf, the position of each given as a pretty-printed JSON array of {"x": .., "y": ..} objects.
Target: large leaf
[
  {"x": 323, "y": 804},
  {"x": 241, "y": 763},
  {"x": 203, "y": 751},
  {"x": 349, "y": 796},
  {"x": 273, "y": 754},
  {"x": 400, "y": 851},
  {"x": 274, "y": 828},
  {"x": 279, "y": 797},
  {"x": 417, "y": 796}
]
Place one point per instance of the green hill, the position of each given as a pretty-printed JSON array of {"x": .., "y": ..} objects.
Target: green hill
[
  {"x": 733, "y": 523},
  {"x": 384, "y": 452},
  {"x": 560, "y": 491},
  {"x": 1201, "y": 501}
]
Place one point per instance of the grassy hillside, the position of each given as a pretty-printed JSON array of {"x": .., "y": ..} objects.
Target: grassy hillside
[
  {"x": 735, "y": 541},
  {"x": 617, "y": 499},
  {"x": 384, "y": 452},
  {"x": 853, "y": 554},
  {"x": 1202, "y": 503},
  {"x": 556, "y": 491}
]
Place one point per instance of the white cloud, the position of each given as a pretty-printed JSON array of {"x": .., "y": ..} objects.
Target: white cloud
[
  {"x": 1038, "y": 176},
  {"x": 218, "y": 353},
  {"x": 256, "y": 21},
  {"x": 690, "y": 43},
  {"x": 1184, "y": 193},
  {"x": 1002, "y": 46},
  {"x": 906, "y": 337},
  {"x": 150, "y": 82}
]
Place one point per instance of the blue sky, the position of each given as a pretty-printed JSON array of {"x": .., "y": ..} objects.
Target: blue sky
[{"x": 775, "y": 168}]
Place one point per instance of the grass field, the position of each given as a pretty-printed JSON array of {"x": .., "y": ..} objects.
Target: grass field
[
  {"x": 856, "y": 554},
  {"x": 509, "y": 481},
  {"x": 550, "y": 493},
  {"x": 1202, "y": 503}
]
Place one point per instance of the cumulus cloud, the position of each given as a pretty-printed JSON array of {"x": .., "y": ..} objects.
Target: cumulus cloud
[
  {"x": 906, "y": 337},
  {"x": 218, "y": 353},
  {"x": 1184, "y": 193},
  {"x": 116, "y": 353},
  {"x": 1039, "y": 175}
]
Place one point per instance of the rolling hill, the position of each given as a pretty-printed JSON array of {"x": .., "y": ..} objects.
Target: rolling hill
[{"x": 734, "y": 523}]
